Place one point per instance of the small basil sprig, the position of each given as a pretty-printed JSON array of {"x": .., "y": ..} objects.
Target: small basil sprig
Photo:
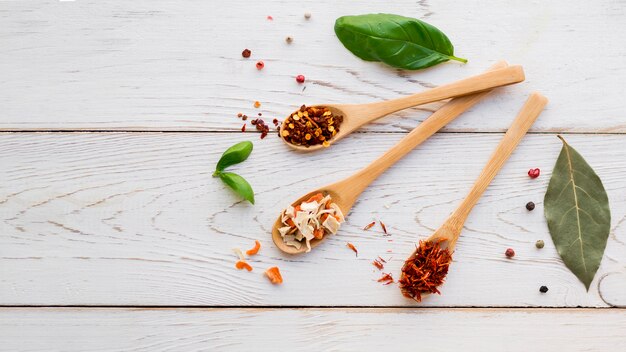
[
  {"x": 398, "y": 41},
  {"x": 234, "y": 155}
]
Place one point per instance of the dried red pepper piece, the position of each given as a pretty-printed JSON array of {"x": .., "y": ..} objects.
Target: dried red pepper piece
[
  {"x": 369, "y": 226},
  {"x": 382, "y": 224},
  {"x": 351, "y": 246},
  {"x": 386, "y": 279}
]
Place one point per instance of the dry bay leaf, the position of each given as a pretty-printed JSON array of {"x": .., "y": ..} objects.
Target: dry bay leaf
[{"x": 576, "y": 207}]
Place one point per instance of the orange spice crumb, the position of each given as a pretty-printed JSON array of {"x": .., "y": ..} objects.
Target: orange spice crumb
[
  {"x": 243, "y": 265},
  {"x": 351, "y": 246},
  {"x": 273, "y": 274},
  {"x": 257, "y": 104},
  {"x": 254, "y": 250}
]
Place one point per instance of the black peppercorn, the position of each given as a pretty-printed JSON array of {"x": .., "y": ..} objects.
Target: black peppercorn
[
  {"x": 543, "y": 289},
  {"x": 530, "y": 206}
]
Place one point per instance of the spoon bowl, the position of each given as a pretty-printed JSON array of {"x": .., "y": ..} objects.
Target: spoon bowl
[{"x": 357, "y": 115}]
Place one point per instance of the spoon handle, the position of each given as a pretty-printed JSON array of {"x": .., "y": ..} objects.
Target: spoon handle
[
  {"x": 485, "y": 81},
  {"x": 448, "y": 112},
  {"x": 525, "y": 118}
]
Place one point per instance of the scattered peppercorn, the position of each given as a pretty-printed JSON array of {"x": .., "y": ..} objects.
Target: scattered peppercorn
[
  {"x": 510, "y": 253},
  {"x": 534, "y": 173},
  {"x": 239, "y": 115},
  {"x": 543, "y": 289},
  {"x": 260, "y": 114},
  {"x": 289, "y": 40},
  {"x": 530, "y": 206},
  {"x": 244, "y": 117},
  {"x": 307, "y": 15},
  {"x": 311, "y": 126},
  {"x": 275, "y": 121},
  {"x": 261, "y": 127},
  {"x": 246, "y": 53},
  {"x": 300, "y": 78},
  {"x": 539, "y": 244},
  {"x": 260, "y": 65},
  {"x": 243, "y": 128},
  {"x": 257, "y": 104}
]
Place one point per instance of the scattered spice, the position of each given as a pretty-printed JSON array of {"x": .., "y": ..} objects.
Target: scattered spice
[
  {"x": 543, "y": 289},
  {"x": 260, "y": 114},
  {"x": 239, "y": 115},
  {"x": 351, "y": 246},
  {"x": 289, "y": 40},
  {"x": 311, "y": 126},
  {"x": 307, "y": 15},
  {"x": 243, "y": 128},
  {"x": 261, "y": 127},
  {"x": 260, "y": 65},
  {"x": 244, "y": 117},
  {"x": 530, "y": 206},
  {"x": 369, "y": 226},
  {"x": 534, "y": 173},
  {"x": 311, "y": 219},
  {"x": 275, "y": 121},
  {"x": 241, "y": 264},
  {"x": 274, "y": 275},
  {"x": 378, "y": 264},
  {"x": 246, "y": 53},
  {"x": 257, "y": 104},
  {"x": 425, "y": 270},
  {"x": 510, "y": 253},
  {"x": 539, "y": 244},
  {"x": 254, "y": 250},
  {"x": 270, "y": 18},
  {"x": 386, "y": 279},
  {"x": 300, "y": 79},
  {"x": 382, "y": 224}
]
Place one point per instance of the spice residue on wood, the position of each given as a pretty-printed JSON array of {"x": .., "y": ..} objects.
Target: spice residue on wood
[
  {"x": 311, "y": 219},
  {"x": 311, "y": 126},
  {"x": 425, "y": 271}
]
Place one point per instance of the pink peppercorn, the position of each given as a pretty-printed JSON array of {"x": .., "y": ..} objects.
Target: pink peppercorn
[
  {"x": 510, "y": 253},
  {"x": 260, "y": 65},
  {"x": 300, "y": 78},
  {"x": 534, "y": 173}
]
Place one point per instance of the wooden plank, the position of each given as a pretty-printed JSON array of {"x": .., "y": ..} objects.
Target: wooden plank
[
  {"x": 155, "y": 330},
  {"x": 157, "y": 65},
  {"x": 137, "y": 219}
]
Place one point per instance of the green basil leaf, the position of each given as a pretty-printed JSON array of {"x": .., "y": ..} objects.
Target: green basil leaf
[
  {"x": 576, "y": 207},
  {"x": 234, "y": 155},
  {"x": 398, "y": 41},
  {"x": 239, "y": 185}
]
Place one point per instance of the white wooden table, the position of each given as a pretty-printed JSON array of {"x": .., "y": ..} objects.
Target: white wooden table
[{"x": 115, "y": 237}]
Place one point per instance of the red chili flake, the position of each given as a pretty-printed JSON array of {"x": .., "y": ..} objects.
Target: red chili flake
[
  {"x": 389, "y": 240},
  {"x": 425, "y": 270},
  {"x": 382, "y": 224},
  {"x": 260, "y": 114},
  {"x": 369, "y": 226},
  {"x": 534, "y": 173},
  {"x": 246, "y": 53},
  {"x": 300, "y": 78},
  {"x": 243, "y": 128},
  {"x": 270, "y": 18},
  {"x": 244, "y": 117},
  {"x": 351, "y": 246},
  {"x": 389, "y": 251},
  {"x": 263, "y": 134},
  {"x": 386, "y": 279},
  {"x": 260, "y": 65},
  {"x": 510, "y": 253},
  {"x": 275, "y": 121},
  {"x": 239, "y": 115},
  {"x": 378, "y": 264},
  {"x": 381, "y": 259}
]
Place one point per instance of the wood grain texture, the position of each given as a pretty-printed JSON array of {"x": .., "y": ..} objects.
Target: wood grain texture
[
  {"x": 137, "y": 219},
  {"x": 163, "y": 65},
  {"x": 131, "y": 330}
]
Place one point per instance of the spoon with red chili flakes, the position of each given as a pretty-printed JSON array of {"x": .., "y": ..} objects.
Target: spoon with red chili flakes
[
  {"x": 425, "y": 270},
  {"x": 314, "y": 127}
]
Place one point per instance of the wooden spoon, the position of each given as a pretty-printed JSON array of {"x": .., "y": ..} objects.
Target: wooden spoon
[
  {"x": 357, "y": 115},
  {"x": 450, "y": 231},
  {"x": 345, "y": 192}
]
